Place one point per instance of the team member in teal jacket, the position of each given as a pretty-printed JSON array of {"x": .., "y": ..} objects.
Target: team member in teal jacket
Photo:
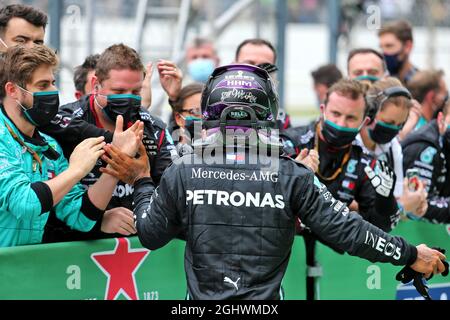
[{"x": 35, "y": 178}]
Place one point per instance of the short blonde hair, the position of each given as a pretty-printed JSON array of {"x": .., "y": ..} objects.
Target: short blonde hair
[
  {"x": 19, "y": 64},
  {"x": 351, "y": 89},
  {"x": 375, "y": 96},
  {"x": 118, "y": 57}
]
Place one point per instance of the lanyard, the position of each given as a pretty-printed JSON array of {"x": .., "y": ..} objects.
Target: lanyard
[
  {"x": 37, "y": 159},
  {"x": 342, "y": 165}
]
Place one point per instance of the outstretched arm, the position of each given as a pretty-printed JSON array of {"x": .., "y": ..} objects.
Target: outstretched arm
[
  {"x": 157, "y": 211},
  {"x": 334, "y": 222}
]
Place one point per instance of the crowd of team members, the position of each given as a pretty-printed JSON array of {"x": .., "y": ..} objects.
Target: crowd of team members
[{"x": 386, "y": 109}]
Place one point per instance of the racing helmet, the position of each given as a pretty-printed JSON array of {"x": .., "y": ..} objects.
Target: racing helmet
[{"x": 240, "y": 95}]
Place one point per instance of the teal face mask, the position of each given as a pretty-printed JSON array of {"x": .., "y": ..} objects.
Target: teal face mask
[
  {"x": 384, "y": 133},
  {"x": 338, "y": 136},
  {"x": 369, "y": 78},
  {"x": 190, "y": 124},
  {"x": 191, "y": 119},
  {"x": 45, "y": 107},
  {"x": 125, "y": 105}
]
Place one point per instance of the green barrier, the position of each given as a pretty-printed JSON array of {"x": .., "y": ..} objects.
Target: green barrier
[
  {"x": 122, "y": 269},
  {"x": 350, "y": 278},
  {"x": 98, "y": 270}
]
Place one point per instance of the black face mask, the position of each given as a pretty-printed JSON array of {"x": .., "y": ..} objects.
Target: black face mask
[
  {"x": 125, "y": 105},
  {"x": 384, "y": 133},
  {"x": 45, "y": 107},
  {"x": 337, "y": 136},
  {"x": 394, "y": 64},
  {"x": 441, "y": 107}
]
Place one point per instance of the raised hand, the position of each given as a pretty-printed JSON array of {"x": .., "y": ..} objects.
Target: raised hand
[
  {"x": 146, "y": 92},
  {"x": 414, "y": 202},
  {"x": 382, "y": 179},
  {"x": 309, "y": 158},
  {"x": 171, "y": 78},
  {"x": 124, "y": 167},
  {"x": 85, "y": 156},
  {"x": 128, "y": 141},
  {"x": 414, "y": 116}
]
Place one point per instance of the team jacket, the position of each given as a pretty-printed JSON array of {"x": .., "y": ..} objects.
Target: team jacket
[
  {"x": 352, "y": 183},
  {"x": 78, "y": 121},
  {"x": 25, "y": 201},
  {"x": 239, "y": 221},
  {"x": 424, "y": 150}
]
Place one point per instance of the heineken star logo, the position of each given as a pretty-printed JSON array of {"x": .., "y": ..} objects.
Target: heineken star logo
[{"x": 120, "y": 266}]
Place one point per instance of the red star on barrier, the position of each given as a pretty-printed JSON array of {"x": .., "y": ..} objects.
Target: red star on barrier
[{"x": 120, "y": 267}]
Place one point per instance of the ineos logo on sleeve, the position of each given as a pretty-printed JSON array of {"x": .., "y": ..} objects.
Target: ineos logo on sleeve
[{"x": 381, "y": 245}]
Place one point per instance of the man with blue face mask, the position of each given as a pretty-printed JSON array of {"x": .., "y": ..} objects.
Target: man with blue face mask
[
  {"x": 36, "y": 181},
  {"x": 201, "y": 60},
  {"x": 428, "y": 151},
  {"x": 344, "y": 168},
  {"x": 117, "y": 85}
]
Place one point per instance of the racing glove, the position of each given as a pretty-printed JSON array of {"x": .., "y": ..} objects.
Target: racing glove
[
  {"x": 408, "y": 274},
  {"x": 383, "y": 180}
]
